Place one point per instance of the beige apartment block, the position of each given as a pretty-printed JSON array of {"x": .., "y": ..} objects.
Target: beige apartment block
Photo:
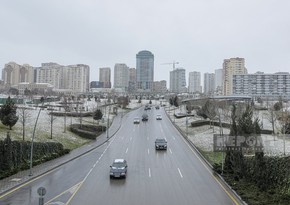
[
  {"x": 13, "y": 74},
  {"x": 232, "y": 66}
]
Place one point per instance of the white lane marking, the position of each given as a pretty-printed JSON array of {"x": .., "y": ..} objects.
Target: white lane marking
[
  {"x": 180, "y": 173},
  {"x": 148, "y": 151},
  {"x": 173, "y": 137},
  {"x": 147, "y": 138},
  {"x": 170, "y": 151},
  {"x": 127, "y": 149},
  {"x": 149, "y": 172},
  {"x": 130, "y": 138}
]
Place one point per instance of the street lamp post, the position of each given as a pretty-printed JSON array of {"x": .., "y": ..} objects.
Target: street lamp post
[
  {"x": 32, "y": 140},
  {"x": 108, "y": 123}
]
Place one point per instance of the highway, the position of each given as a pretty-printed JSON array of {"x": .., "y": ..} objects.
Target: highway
[{"x": 175, "y": 176}]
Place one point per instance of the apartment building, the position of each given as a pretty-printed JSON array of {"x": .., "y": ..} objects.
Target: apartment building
[
  {"x": 177, "y": 81},
  {"x": 121, "y": 77},
  {"x": 209, "y": 83},
  {"x": 232, "y": 66},
  {"x": 271, "y": 86},
  {"x": 13, "y": 74},
  {"x": 194, "y": 82},
  {"x": 105, "y": 77}
]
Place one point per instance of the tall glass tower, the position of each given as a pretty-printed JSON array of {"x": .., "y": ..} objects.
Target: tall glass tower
[{"x": 145, "y": 70}]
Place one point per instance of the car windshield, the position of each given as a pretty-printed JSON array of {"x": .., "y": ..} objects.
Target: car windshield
[
  {"x": 160, "y": 140},
  {"x": 118, "y": 165}
]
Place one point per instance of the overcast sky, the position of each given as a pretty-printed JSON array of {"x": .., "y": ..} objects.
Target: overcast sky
[{"x": 199, "y": 34}]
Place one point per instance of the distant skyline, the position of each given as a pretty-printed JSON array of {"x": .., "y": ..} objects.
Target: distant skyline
[{"x": 199, "y": 34}]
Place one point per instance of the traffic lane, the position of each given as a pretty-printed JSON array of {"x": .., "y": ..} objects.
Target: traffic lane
[
  {"x": 135, "y": 150},
  {"x": 55, "y": 181},
  {"x": 190, "y": 165},
  {"x": 168, "y": 184},
  {"x": 98, "y": 187}
]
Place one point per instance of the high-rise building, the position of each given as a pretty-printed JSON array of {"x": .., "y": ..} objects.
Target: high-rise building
[
  {"x": 51, "y": 73},
  {"x": 232, "y": 66},
  {"x": 270, "y": 86},
  {"x": 73, "y": 77},
  {"x": 121, "y": 76},
  {"x": 105, "y": 77},
  {"x": 78, "y": 77},
  {"x": 145, "y": 70},
  {"x": 218, "y": 79},
  {"x": 209, "y": 84},
  {"x": 13, "y": 74},
  {"x": 194, "y": 82},
  {"x": 177, "y": 80},
  {"x": 132, "y": 80}
]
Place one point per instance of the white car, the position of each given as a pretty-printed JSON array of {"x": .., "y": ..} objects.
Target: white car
[
  {"x": 158, "y": 117},
  {"x": 136, "y": 120}
]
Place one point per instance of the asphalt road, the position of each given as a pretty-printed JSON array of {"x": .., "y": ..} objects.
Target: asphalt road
[{"x": 175, "y": 176}]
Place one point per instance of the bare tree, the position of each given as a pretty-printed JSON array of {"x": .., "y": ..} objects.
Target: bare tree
[
  {"x": 24, "y": 116},
  {"x": 51, "y": 119}
]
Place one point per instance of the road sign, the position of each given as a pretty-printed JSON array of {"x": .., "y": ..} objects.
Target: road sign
[{"x": 41, "y": 191}]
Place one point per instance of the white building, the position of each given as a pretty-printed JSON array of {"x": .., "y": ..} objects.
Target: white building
[
  {"x": 209, "y": 83},
  {"x": 177, "y": 81},
  {"x": 121, "y": 76},
  {"x": 194, "y": 82},
  {"x": 218, "y": 81},
  {"x": 74, "y": 78},
  {"x": 271, "y": 86}
]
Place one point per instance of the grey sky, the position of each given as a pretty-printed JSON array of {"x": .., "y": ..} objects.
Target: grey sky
[{"x": 198, "y": 34}]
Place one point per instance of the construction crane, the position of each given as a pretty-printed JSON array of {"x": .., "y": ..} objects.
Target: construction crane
[{"x": 173, "y": 64}]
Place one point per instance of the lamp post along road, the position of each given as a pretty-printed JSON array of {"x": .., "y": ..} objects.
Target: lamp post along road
[{"x": 32, "y": 140}]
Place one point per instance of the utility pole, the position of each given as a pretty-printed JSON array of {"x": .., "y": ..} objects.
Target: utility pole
[{"x": 33, "y": 135}]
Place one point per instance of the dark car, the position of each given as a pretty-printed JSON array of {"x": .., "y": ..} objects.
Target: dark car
[
  {"x": 118, "y": 168},
  {"x": 160, "y": 143},
  {"x": 144, "y": 117}
]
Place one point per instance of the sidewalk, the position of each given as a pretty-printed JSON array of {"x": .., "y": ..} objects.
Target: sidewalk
[{"x": 22, "y": 177}]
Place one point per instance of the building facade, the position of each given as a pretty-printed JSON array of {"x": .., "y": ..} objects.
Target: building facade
[
  {"x": 194, "y": 82},
  {"x": 232, "y": 66},
  {"x": 177, "y": 81},
  {"x": 13, "y": 74},
  {"x": 209, "y": 83},
  {"x": 121, "y": 76},
  {"x": 160, "y": 86},
  {"x": 105, "y": 77},
  {"x": 74, "y": 78},
  {"x": 145, "y": 70},
  {"x": 132, "y": 80},
  {"x": 270, "y": 86},
  {"x": 218, "y": 81}
]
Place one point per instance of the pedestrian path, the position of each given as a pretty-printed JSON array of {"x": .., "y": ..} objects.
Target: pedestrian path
[{"x": 22, "y": 177}]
